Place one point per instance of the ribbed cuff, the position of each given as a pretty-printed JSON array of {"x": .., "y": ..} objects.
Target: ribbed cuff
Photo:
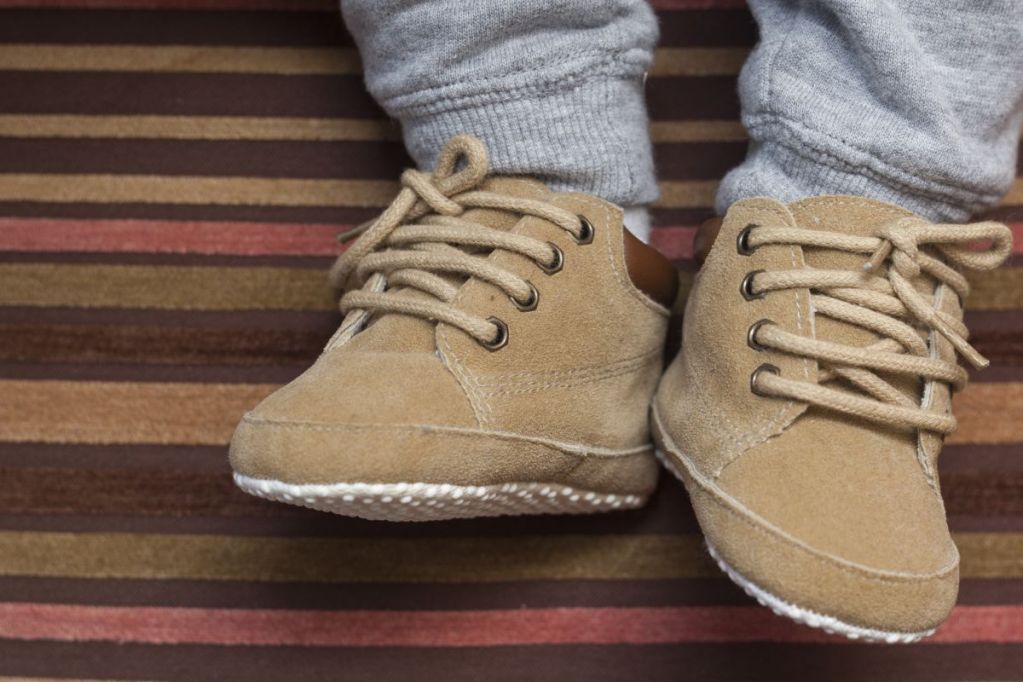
[{"x": 591, "y": 137}]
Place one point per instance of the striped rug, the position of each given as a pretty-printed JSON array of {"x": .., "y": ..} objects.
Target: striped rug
[{"x": 172, "y": 174}]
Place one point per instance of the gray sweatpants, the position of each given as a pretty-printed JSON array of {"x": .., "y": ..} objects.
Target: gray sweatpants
[{"x": 916, "y": 102}]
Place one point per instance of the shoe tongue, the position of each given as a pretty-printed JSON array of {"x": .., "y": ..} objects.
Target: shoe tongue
[
  {"x": 851, "y": 216},
  {"x": 405, "y": 333}
]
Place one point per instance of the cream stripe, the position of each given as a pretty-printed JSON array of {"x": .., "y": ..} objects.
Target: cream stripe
[
  {"x": 159, "y": 189},
  {"x": 180, "y": 58},
  {"x": 206, "y": 414},
  {"x": 430, "y": 560},
  {"x": 199, "y": 127},
  {"x": 287, "y": 60}
]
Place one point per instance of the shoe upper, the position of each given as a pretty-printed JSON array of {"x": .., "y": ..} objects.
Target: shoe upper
[
  {"x": 491, "y": 327},
  {"x": 813, "y": 392}
]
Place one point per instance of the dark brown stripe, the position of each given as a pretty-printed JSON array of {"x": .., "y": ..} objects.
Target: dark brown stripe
[
  {"x": 152, "y": 501},
  {"x": 156, "y": 27},
  {"x": 691, "y": 98},
  {"x": 708, "y": 28},
  {"x": 39, "y": 490},
  {"x": 94, "y": 92},
  {"x": 190, "y": 458},
  {"x": 697, "y": 160},
  {"x": 200, "y": 319},
  {"x": 405, "y": 596},
  {"x": 211, "y": 212},
  {"x": 599, "y": 663},
  {"x": 399, "y": 596},
  {"x": 252, "y": 158},
  {"x": 291, "y": 158},
  {"x": 271, "y": 95},
  {"x": 201, "y": 373}
]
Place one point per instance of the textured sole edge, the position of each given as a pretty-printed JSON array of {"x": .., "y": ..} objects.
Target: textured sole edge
[
  {"x": 799, "y": 614},
  {"x": 437, "y": 501}
]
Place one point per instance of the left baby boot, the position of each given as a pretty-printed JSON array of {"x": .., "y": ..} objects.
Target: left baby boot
[{"x": 499, "y": 351}]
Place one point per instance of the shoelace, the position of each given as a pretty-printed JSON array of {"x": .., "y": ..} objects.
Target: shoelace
[
  {"x": 880, "y": 299},
  {"x": 421, "y": 235}
]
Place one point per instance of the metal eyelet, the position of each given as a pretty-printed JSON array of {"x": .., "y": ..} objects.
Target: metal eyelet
[
  {"x": 556, "y": 264},
  {"x": 742, "y": 241},
  {"x": 746, "y": 286},
  {"x": 766, "y": 367},
  {"x": 586, "y": 231},
  {"x": 531, "y": 301},
  {"x": 751, "y": 335},
  {"x": 500, "y": 340}
]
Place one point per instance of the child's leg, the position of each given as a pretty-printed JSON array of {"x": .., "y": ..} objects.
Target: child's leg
[
  {"x": 553, "y": 87},
  {"x": 912, "y": 102}
]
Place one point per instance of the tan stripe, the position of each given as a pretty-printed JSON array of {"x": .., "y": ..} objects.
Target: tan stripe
[
  {"x": 199, "y": 127},
  {"x": 108, "y": 412},
  {"x": 989, "y": 413},
  {"x": 288, "y": 60},
  {"x": 483, "y": 559},
  {"x": 694, "y": 194},
  {"x": 1015, "y": 194},
  {"x": 269, "y": 128},
  {"x": 698, "y": 61},
  {"x": 158, "y": 189},
  {"x": 165, "y": 287},
  {"x": 697, "y": 131},
  {"x": 180, "y": 58}
]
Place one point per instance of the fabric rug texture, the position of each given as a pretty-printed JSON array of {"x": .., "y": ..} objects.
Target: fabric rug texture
[{"x": 172, "y": 177}]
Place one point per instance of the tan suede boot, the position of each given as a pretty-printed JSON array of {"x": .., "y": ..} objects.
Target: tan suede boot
[
  {"x": 806, "y": 410},
  {"x": 500, "y": 348}
]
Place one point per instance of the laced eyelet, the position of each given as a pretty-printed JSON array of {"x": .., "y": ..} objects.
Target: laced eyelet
[
  {"x": 746, "y": 286},
  {"x": 751, "y": 335},
  {"x": 766, "y": 367},
  {"x": 586, "y": 231},
  {"x": 742, "y": 241},
  {"x": 556, "y": 264},
  {"x": 500, "y": 340},
  {"x": 531, "y": 301}
]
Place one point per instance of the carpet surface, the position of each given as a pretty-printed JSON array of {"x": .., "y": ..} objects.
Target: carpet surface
[{"x": 172, "y": 175}]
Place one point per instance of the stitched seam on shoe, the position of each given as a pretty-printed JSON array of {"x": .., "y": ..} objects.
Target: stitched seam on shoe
[
  {"x": 757, "y": 523},
  {"x": 575, "y": 449},
  {"x": 569, "y": 378},
  {"x": 744, "y": 441}
]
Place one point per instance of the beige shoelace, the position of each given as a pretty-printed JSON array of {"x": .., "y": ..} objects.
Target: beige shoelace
[
  {"x": 882, "y": 299},
  {"x": 421, "y": 235}
]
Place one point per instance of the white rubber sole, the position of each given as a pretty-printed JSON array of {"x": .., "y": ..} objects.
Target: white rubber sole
[
  {"x": 437, "y": 501},
  {"x": 812, "y": 618},
  {"x": 798, "y": 613}
]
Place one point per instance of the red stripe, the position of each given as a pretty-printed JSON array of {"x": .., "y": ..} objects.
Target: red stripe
[
  {"x": 238, "y": 238},
  {"x": 156, "y": 625},
  {"x": 294, "y": 5},
  {"x": 167, "y": 236}
]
